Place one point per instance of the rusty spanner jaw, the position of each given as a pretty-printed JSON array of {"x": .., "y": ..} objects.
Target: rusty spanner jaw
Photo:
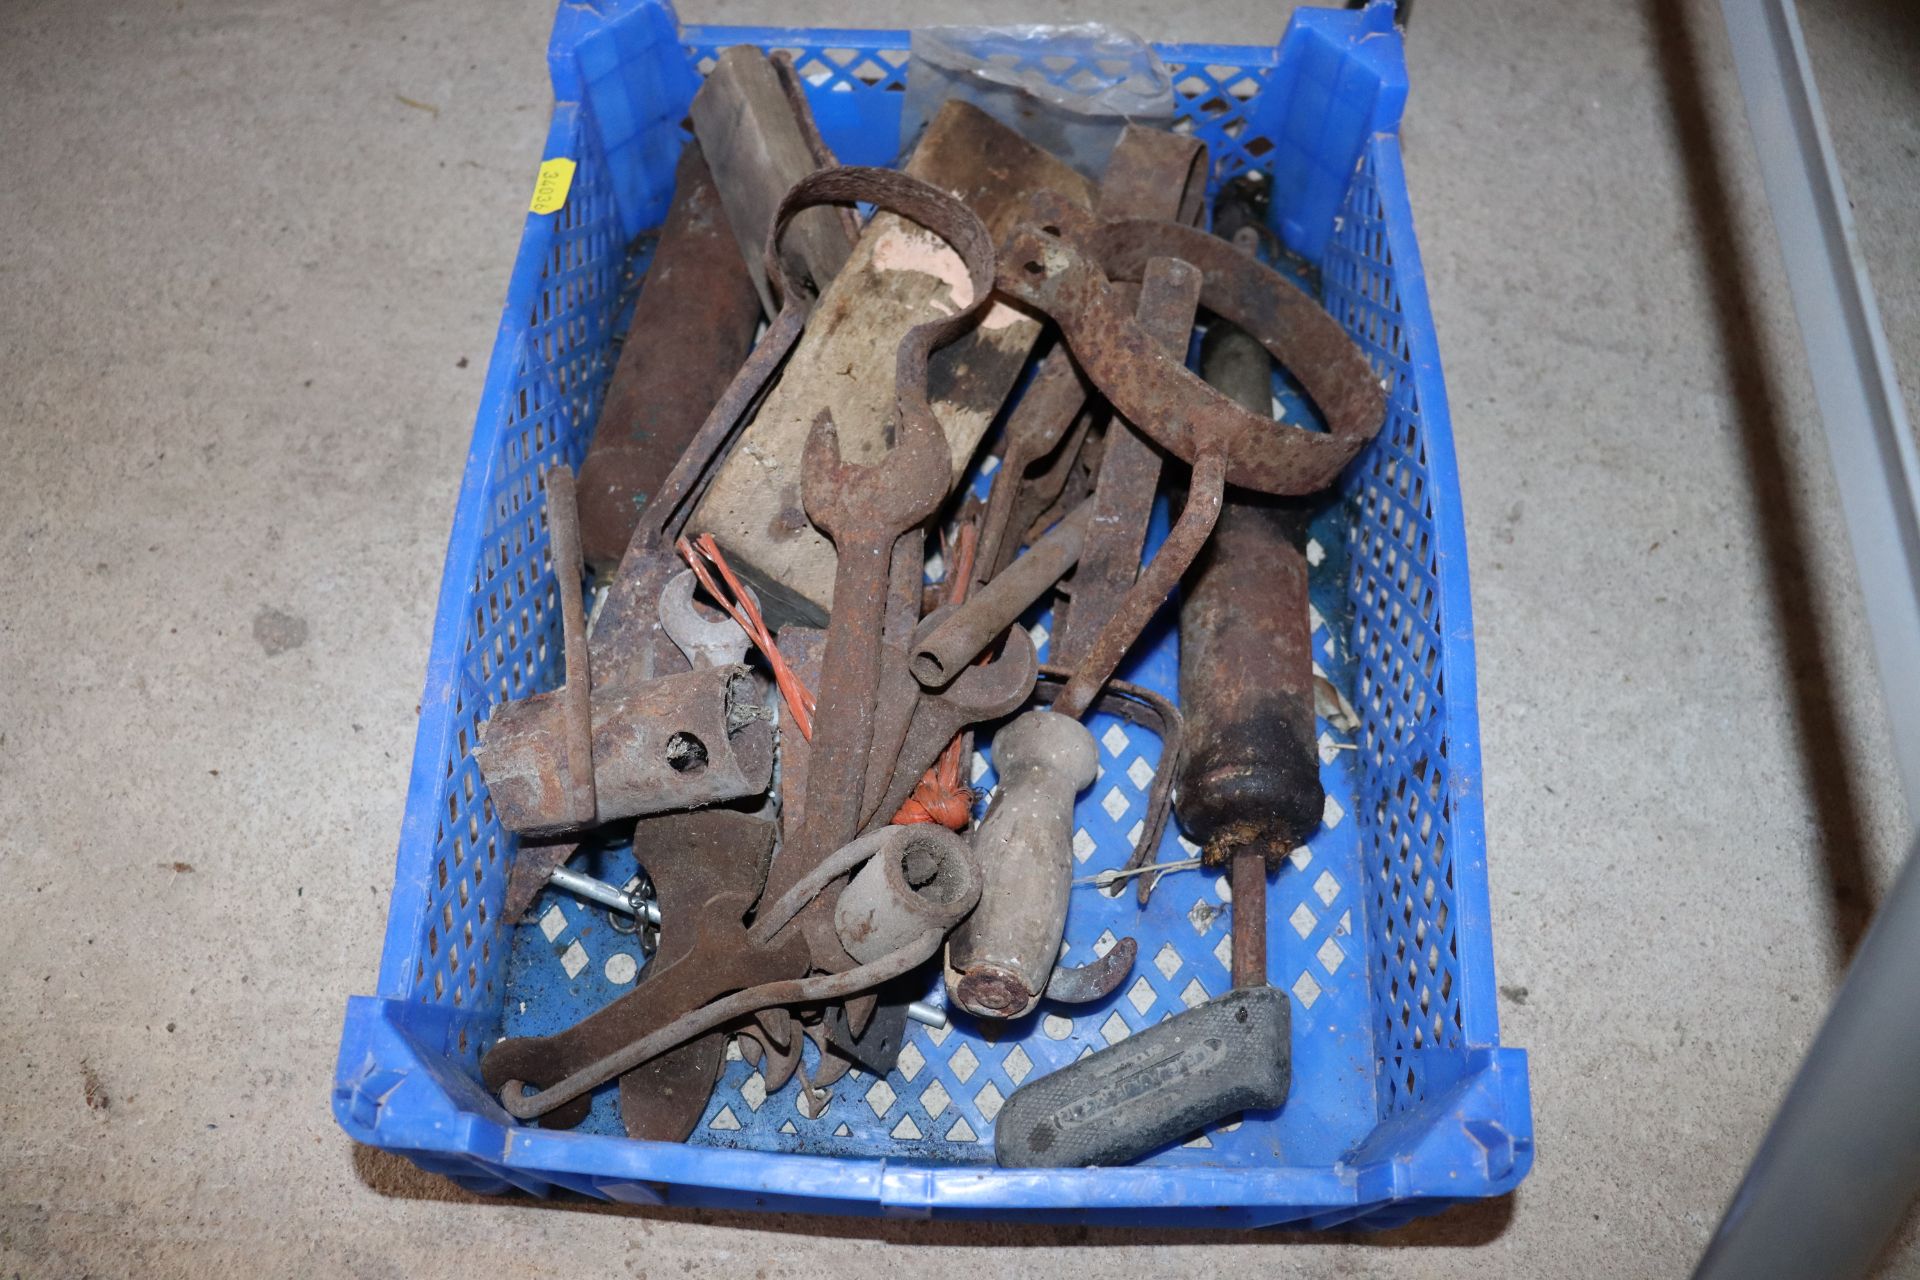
[{"x": 706, "y": 642}]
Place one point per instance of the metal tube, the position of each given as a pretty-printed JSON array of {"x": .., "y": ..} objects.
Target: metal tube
[
  {"x": 926, "y": 1014},
  {"x": 581, "y": 885},
  {"x": 1841, "y": 1162},
  {"x": 1876, "y": 464},
  {"x": 991, "y": 609}
]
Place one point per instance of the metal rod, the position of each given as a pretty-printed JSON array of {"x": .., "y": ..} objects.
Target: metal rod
[
  {"x": 563, "y": 529},
  {"x": 1841, "y": 1162},
  {"x": 581, "y": 885},
  {"x": 1876, "y": 464},
  {"x": 927, "y": 1015}
]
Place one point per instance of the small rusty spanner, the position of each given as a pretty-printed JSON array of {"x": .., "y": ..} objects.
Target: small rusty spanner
[
  {"x": 706, "y": 642},
  {"x": 865, "y": 510},
  {"x": 1059, "y": 262}
]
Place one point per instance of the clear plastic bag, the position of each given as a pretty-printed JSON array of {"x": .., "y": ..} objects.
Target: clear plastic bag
[{"x": 1010, "y": 73}]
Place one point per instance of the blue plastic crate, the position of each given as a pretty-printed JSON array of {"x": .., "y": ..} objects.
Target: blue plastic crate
[{"x": 1403, "y": 1100}]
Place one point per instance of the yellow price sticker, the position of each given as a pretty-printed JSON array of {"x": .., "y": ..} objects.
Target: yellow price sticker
[{"x": 551, "y": 187}]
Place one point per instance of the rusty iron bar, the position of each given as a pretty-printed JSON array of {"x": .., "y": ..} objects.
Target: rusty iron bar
[
  {"x": 1129, "y": 477},
  {"x": 899, "y": 695},
  {"x": 965, "y": 633},
  {"x": 1151, "y": 174},
  {"x": 1053, "y": 417},
  {"x": 1248, "y": 880},
  {"x": 692, "y": 328},
  {"x": 1206, "y": 488},
  {"x": 576, "y": 707},
  {"x": 1038, "y": 426},
  {"x": 533, "y": 866},
  {"x": 717, "y": 1013}
]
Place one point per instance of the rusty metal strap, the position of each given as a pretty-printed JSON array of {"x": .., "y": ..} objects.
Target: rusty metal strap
[{"x": 1062, "y": 261}]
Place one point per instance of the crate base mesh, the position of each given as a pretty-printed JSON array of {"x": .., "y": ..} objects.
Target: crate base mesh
[{"x": 1403, "y": 1099}]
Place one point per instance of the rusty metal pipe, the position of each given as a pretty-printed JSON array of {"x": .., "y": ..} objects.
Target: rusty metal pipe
[
  {"x": 679, "y": 742},
  {"x": 969, "y": 629},
  {"x": 1248, "y": 879}
]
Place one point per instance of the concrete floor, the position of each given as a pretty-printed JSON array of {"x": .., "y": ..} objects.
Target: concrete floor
[{"x": 253, "y": 262}]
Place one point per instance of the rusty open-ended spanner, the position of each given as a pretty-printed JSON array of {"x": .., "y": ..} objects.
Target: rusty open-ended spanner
[
  {"x": 705, "y": 642},
  {"x": 706, "y": 867},
  {"x": 1151, "y": 173},
  {"x": 865, "y": 509}
]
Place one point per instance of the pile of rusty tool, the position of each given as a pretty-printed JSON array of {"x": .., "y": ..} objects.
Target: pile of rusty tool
[{"x": 776, "y": 708}]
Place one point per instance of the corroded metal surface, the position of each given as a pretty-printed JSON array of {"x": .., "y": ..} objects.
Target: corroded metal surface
[
  {"x": 692, "y": 328},
  {"x": 1128, "y": 480},
  {"x": 706, "y": 869},
  {"x": 1060, "y": 261},
  {"x": 942, "y": 654},
  {"x": 865, "y": 509},
  {"x": 982, "y": 692},
  {"x": 1251, "y": 776},
  {"x": 678, "y": 742}
]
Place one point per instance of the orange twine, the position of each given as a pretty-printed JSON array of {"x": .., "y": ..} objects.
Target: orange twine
[{"x": 740, "y": 607}]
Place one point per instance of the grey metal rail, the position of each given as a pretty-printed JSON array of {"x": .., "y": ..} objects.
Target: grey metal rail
[{"x": 1841, "y": 1162}]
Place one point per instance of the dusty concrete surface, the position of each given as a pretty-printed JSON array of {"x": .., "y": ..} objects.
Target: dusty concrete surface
[{"x": 253, "y": 261}]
